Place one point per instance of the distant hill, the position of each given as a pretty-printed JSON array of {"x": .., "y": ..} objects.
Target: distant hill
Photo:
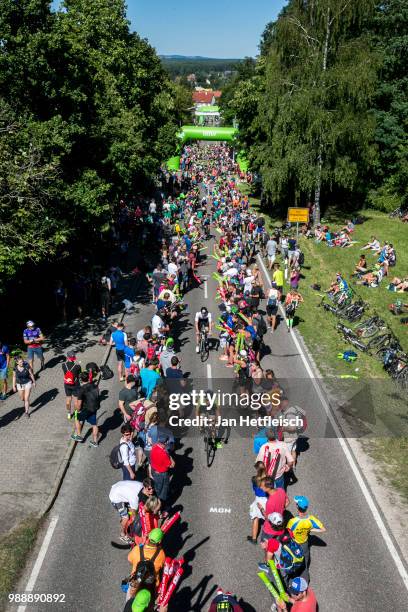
[{"x": 198, "y": 58}]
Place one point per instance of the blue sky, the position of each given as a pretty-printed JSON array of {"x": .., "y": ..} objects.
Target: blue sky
[{"x": 214, "y": 28}]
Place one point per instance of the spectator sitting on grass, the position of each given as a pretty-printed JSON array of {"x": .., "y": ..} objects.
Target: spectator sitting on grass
[
  {"x": 398, "y": 284},
  {"x": 361, "y": 267},
  {"x": 374, "y": 244}
]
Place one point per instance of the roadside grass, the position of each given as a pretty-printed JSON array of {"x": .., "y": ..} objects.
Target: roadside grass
[
  {"x": 377, "y": 409},
  {"x": 395, "y": 451},
  {"x": 14, "y": 549}
]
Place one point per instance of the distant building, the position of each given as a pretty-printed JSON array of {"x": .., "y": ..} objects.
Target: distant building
[
  {"x": 205, "y": 96},
  {"x": 191, "y": 78}
]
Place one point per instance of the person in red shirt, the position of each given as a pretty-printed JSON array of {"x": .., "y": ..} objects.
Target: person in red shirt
[
  {"x": 302, "y": 596},
  {"x": 160, "y": 465},
  {"x": 276, "y": 503}
]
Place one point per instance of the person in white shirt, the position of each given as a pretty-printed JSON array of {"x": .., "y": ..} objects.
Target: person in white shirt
[
  {"x": 173, "y": 268},
  {"x": 248, "y": 280},
  {"x": 159, "y": 328},
  {"x": 152, "y": 207},
  {"x": 202, "y": 320},
  {"x": 124, "y": 496},
  {"x": 127, "y": 452}
]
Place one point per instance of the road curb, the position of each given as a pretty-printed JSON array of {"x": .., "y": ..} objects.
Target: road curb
[{"x": 64, "y": 465}]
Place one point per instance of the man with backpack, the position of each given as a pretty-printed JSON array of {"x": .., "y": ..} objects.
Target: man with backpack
[
  {"x": 150, "y": 554},
  {"x": 71, "y": 370},
  {"x": 301, "y": 526},
  {"x": 87, "y": 405}
]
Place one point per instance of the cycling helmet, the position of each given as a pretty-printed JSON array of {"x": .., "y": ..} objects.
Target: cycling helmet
[
  {"x": 204, "y": 310},
  {"x": 276, "y": 519},
  {"x": 30, "y": 323}
]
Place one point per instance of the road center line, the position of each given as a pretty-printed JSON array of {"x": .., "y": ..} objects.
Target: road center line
[
  {"x": 209, "y": 375},
  {"x": 349, "y": 456},
  {"x": 205, "y": 290},
  {"x": 40, "y": 559}
]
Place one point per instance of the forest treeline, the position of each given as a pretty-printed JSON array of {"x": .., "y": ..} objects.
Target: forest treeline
[
  {"x": 323, "y": 111},
  {"x": 87, "y": 115}
]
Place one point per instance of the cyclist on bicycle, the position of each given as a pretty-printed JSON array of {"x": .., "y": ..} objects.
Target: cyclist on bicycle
[
  {"x": 224, "y": 602},
  {"x": 203, "y": 322}
]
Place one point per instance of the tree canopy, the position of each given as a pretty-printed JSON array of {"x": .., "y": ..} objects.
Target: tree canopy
[
  {"x": 87, "y": 114},
  {"x": 323, "y": 116}
]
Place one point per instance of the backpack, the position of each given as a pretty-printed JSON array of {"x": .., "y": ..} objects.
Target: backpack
[
  {"x": 106, "y": 372},
  {"x": 151, "y": 352},
  {"x": 273, "y": 301},
  {"x": 291, "y": 555},
  {"x": 69, "y": 378},
  {"x": 145, "y": 570},
  {"x": 138, "y": 418},
  {"x": 114, "y": 457},
  {"x": 133, "y": 526},
  {"x": 301, "y": 258},
  {"x": 262, "y": 328},
  {"x": 291, "y": 413}
]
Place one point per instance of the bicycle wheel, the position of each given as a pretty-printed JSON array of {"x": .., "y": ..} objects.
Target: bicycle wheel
[
  {"x": 402, "y": 378},
  {"x": 370, "y": 331},
  {"x": 210, "y": 449},
  {"x": 379, "y": 341},
  {"x": 204, "y": 350}
]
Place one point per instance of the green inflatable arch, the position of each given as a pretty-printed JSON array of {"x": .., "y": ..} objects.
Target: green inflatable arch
[{"x": 196, "y": 132}]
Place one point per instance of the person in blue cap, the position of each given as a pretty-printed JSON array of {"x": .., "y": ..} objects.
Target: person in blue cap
[{"x": 301, "y": 526}]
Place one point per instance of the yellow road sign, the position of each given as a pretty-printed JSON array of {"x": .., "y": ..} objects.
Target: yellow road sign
[{"x": 298, "y": 215}]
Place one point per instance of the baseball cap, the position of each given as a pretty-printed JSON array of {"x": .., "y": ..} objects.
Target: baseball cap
[
  {"x": 162, "y": 437},
  {"x": 30, "y": 323},
  {"x": 141, "y": 601},
  {"x": 301, "y": 501},
  {"x": 275, "y": 518},
  {"x": 71, "y": 354},
  {"x": 169, "y": 342},
  {"x": 156, "y": 535},
  {"x": 298, "y": 585}
]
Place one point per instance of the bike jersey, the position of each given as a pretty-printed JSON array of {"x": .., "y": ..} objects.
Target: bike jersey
[
  {"x": 301, "y": 527},
  {"x": 200, "y": 317}
]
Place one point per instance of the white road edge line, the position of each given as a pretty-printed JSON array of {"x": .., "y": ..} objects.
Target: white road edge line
[
  {"x": 209, "y": 375},
  {"x": 205, "y": 290},
  {"x": 40, "y": 559},
  {"x": 352, "y": 462}
]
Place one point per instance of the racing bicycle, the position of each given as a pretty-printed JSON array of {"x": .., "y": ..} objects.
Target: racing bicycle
[{"x": 203, "y": 344}]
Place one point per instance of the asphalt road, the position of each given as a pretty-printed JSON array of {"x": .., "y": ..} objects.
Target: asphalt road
[{"x": 351, "y": 566}]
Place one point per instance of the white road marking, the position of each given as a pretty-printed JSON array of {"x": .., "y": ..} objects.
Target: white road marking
[
  {"x": 220, "y": 510},
  {"x": 349, "y": 456},
  {"x": 205, "y": 290},
  {"x": 40, "y": 559},
  {"x": 209, "y": 375}
]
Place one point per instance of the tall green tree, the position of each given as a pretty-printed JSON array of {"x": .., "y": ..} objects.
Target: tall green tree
[
  {"x": 312, "y": 133},
  {"x": 92, "y": 109},
  {"x": 390, "y": 188}
]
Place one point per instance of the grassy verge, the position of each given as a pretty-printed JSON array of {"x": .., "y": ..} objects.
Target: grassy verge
[
  {"x": 14, "y": 548},
  {"x": 372, "y": 405}
]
